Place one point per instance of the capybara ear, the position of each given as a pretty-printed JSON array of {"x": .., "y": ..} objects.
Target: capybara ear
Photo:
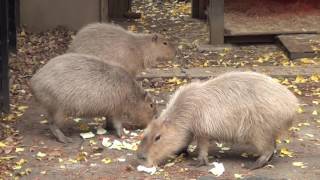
[{"x": 154, "y": 38}]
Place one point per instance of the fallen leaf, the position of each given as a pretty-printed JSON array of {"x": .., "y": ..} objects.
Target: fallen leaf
[
  {"x": 238, "y": 176},
  {"x": 285, "y": 152},
  {"x": 106, "y": 160}
]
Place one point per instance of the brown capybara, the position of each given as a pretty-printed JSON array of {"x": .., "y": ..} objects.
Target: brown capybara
[
  {"x": 117, "y": 46},
  {"x": 236, "y": 107},
  {"x": 82, "y": 86}
]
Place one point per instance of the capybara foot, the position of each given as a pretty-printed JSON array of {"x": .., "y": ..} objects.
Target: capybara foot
[
  {"x": 59, "y": 134},
  {"x": 261, "y": 161},
  {"x": 200, "y": 162}
]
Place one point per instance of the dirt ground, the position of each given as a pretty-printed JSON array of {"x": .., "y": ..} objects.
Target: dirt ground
[{"x": 31, "y": 152}]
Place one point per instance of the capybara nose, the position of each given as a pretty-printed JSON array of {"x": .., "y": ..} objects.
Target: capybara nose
[{"x": 141, "y": 156}]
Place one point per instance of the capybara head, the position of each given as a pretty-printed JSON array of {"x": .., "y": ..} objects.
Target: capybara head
[
  {"x": 161, "y": 140},
  {"x": 160, "y": 50},
  {"x": 143, "y": 111}
]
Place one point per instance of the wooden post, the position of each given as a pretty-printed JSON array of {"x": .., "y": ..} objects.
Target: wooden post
[
  {"x": 12, "y": 27},
  {"x": 117, "y": 8},
  {"x": 216, "y": 21},
  {"x": 104, "y": 16},
  {"x": 4, "y": 79},
  {"x": 195, "y": 8}
]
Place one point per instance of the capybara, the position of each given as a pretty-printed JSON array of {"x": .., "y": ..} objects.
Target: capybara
[
  {"x": 82, "y": 86},
  {"x": 117, "y": 46},
  {"x": 235, "y": 107}
]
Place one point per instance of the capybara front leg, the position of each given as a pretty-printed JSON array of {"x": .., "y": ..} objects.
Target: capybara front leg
[
  {"x": 53, "y": 118},
  {"x": 203, "y": 148},
  {"x": 118, "y": 127}
]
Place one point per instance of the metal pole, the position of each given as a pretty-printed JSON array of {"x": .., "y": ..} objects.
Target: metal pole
[{"x": 4, "y": 79}]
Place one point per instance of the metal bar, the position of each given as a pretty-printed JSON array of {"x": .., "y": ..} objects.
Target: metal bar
[
  {"x": 4, "y": 79},
  {"x": 216, "y": 21}
]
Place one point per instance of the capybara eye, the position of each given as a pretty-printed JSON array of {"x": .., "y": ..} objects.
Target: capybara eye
[
  {"x": 157, "y": 137},
  {"x": 151, "y": 105},
  {"x": 165, "y": 43}
]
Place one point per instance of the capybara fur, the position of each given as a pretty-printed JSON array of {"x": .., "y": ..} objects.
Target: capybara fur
[
  {"x": 235, "y": 107},
  {"x": 115, "y": 45},
  {"x": 82, "y": 86}
]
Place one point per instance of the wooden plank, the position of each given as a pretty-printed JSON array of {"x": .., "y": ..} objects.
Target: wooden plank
[
  {"x": 300, "y": 46},
  {"x": 216, "y": 21},
  {"x": 261, "y": 37},
  {"x": 4, "y": 79}
]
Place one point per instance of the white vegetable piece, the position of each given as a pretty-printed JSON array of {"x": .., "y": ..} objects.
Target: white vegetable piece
[
  {"x": 150, "y": 171},
  {"x": 218, "y": 169}
]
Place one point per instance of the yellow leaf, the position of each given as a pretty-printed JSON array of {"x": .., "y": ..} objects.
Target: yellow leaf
[
  {"x": 238, "y": 176},
  {"x": 309, "y": 135},
  {"x": 21, "y": 162},
  {"x": 294, "y": 129},
  {"x": 22, "y": 108},
  {"x": 299, "y": 164},
  {"x": 19, "y": 149},
  {"x": 285, "y": 152},
  {"x": 106, "y": 160},
  {"x": 314, "y": 78},
  {"x": 285, "y": 82},
  {"x": 17, "y": 167},
  {"x": 307, "y": 61},
  {"x": 41, "y": 155},
  {"x": 2, "y": 145},
  {"x": 315, "y": 112},
  {"x": 300, "y": 79},
  {"x": 245, "y": 155},
  {"x": 315, "y": 102},
  {"x": 287, "y": 141},
  {"x": 300, "y": 110}
]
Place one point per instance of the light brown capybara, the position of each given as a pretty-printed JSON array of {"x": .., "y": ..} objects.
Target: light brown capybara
[
  {"x": 82, "y": 86},
  {"x": 236, "y": 107},
  {"x": 117, "y": 46}
]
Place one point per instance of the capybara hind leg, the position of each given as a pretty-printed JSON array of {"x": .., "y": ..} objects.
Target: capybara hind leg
[
  {"x": 266, "y": 152},
  {"x": 118, "y": 127},
  {"x": 53, "y": 118},
  {"x": 203, "y": 148}
]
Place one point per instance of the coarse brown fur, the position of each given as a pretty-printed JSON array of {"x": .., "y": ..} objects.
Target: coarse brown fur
[
  {"x": 236, "y": 107},
  {"x": 114, "y": 45},
  {"x": 82, "y": 86}
]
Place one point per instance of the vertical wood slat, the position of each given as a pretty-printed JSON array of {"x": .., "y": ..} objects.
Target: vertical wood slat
[
  {"x": 216, "y": 21},
  {"x": 195, "y": 9},
  {"x": 4, "y": 79},
  {"x": 104, "y": 15},
  {"x": 117, "y": 8},
  {"x": 12, "y": 30}
]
